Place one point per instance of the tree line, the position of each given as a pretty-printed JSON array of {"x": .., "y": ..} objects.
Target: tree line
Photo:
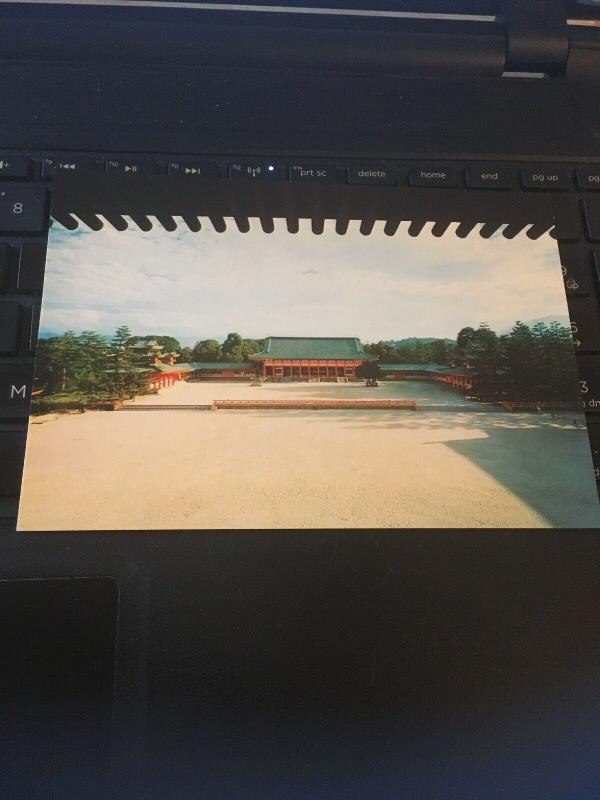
[
  {"x": 234, "y": 348},
  {"x": 413, "y": 351},
  {"x": 530, "y": 363},
  {"x": 93, "y": 366}
]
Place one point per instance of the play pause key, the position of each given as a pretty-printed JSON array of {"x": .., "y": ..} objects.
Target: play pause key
[{"x": 131, "y": 167}]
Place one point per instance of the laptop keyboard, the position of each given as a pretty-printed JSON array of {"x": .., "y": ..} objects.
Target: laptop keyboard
[{"x": 24, "y": 218}]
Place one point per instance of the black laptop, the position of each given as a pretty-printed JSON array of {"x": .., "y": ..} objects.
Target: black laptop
[{"x": 299, "y": 395}]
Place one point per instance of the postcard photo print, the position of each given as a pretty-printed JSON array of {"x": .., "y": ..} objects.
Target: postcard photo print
[{"x": 268, "y": 381}]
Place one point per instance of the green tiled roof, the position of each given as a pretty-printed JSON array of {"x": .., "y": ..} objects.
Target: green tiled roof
[
  {"x": 171, "y": 367},
  {"x": 458, "y": 371},
  {"x": 198, "y": 366},
  {"x": 423, "y": 368},
  {"x": 137, "y": 370},
  {"x": 296, "y": 347},
  {"x": 208, "y": 365},
  {"x": 414, "y": 367}
]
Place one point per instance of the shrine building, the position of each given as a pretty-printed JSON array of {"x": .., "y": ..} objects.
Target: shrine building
[
  {"x": 459, "y": 378},
  {"x": 293, "y": 358},
  {"x": 310, "y": 358}
]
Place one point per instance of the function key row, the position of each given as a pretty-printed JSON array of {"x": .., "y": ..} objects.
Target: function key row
[{"x": 482, "y": 176}]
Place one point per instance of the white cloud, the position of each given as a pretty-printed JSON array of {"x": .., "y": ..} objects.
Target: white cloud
[{"x": 197, "y": 285}]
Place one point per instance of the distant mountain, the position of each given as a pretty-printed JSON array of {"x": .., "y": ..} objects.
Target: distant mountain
[
  {"x": 563, "y": 319},
  {"x": 190, "y": 341},
  {"x": 412, "y": 341},
  {"x": 185, "y": 341},
  {"x": 44, "y": 334}
]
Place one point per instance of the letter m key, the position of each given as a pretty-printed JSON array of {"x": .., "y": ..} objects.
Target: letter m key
[{"x": 18, "y": 392}]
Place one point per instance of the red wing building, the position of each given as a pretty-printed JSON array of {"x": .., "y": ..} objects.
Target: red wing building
[
  {"x": 296, "y": 358},
  {"x": 459, "y": 378},
  {"x": 310, "y": 358}
]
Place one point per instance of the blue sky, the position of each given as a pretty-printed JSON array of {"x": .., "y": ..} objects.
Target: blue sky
[{"x": 203, "y": 285}]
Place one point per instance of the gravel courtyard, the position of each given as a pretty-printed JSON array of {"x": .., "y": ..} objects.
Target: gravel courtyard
[{"x": 453, "y": 463}]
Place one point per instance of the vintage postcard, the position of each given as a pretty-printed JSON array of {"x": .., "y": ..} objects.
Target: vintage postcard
[{"x": 272, "y": 381}]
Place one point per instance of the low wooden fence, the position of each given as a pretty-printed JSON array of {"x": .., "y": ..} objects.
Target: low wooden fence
[
  {"x": 164, "y": 407},
  {"x": 316, "y": 405},
  {"x": 556, "y": 405}
]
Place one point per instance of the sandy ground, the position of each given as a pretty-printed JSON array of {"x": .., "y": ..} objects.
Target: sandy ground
[
  {"x": 457, "y": 464},
  {"x": 427, "y": 395}
]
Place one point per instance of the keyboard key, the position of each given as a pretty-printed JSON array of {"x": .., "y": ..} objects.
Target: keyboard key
[
  {"x": 592, "y": 219},
  {"x": 567, "y": 218},
  {"x": 10, "y": 318},
  {"x": 596, "y": 266},
  {"x": 193, "y": 169},
  {"x": 48, "y": 168},
  {"x": 14, "y": 167},
  {"x": 594, "y": 434},
  {"x": 9, "y": 507},
  {"x": 589, "y": 178},
  {"x": 309, "y": 173},
  {"x": 254, "y": 171},
  {"x": 23, "y": 208},
  {"x": 32, "y": 263},
  {"x": 376, "y": 175},
  {"x": 52, "y": 165},
  {"x": 434, "y": 176},
  {"x": 546, "y": 179},
  {"x": 15, "y": 390},
  {"x": 577, "y": 270},
  {"x": 489, "y": 178},
  {"x": 585, "y": 324},
  {"x": 131, "y": 166},
  {"x": 31, "y": 326},
  {"x": 5, "y": 258},
  {"x": 576, "y": 286},
  {"x": 12, "y": 447},
  {"x": 589, "y": 374}
]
